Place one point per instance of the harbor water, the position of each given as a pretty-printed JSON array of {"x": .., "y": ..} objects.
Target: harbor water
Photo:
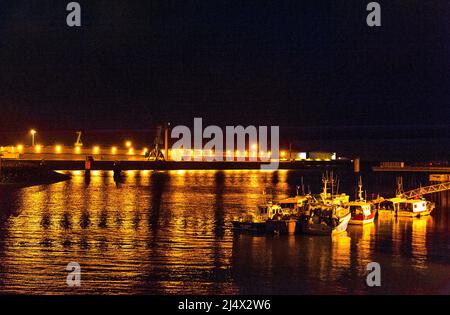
[{"x": 169, "y": 232}]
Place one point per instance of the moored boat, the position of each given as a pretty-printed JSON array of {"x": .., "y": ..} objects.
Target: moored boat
[
  {"x": 327, "y": 215},
  {"x": 402, "y": 207},
  {"x": 362, "y": 212},
  {"x": 325, "y": 220}
]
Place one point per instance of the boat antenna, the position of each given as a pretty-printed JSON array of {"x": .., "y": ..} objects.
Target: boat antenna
[
  {"x": 325, "y": 189},
  {"x": 331, "y": 179},
  {"x": 303, "y": 186},
  {"x": 360, "y": 192},
  {"x": 399, "y": 190}
]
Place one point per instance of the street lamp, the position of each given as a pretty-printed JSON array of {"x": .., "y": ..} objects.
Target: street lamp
[{"x": 33, "y": 133}]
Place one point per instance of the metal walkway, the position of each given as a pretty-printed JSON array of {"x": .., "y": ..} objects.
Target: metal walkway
[{"x": 427, "y": 190}]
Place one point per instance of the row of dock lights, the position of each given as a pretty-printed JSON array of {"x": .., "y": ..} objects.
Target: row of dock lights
[{"x": 176, "y": 154}]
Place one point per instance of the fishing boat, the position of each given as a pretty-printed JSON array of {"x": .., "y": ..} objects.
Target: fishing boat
[
  {"x": 325, "y": 220},
  {"x": 402, "y": 207},
  {"x": 327, "y": 215},
  {"x": 362, "y": 212}
]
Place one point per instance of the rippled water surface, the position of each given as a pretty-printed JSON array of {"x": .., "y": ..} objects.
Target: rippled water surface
[{"x": 170, "y": 233}]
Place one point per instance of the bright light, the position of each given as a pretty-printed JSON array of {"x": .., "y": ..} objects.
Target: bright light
[
  {"x": 58, "y": 149},
  {"x": 113, "y": 150},
  {"x": 20, "y": 147},
  {"x": 38, "y": 148},
  {"x": 144, "y": 151},
  {"x": 269, "y": 153},
  {"x": 33, "y": 132},
  {"x": 283, "y": 153},
  {"x": 254, "y": 146},
  {"x": 128, "y": 144},
  {"x": 96, "y": 150},
  {"x": 130, "y": 151},
  {"x": 77, "y": 150}
]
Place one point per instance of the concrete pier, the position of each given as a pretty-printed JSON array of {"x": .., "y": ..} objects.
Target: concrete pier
[{"x": 188, "y": 165}]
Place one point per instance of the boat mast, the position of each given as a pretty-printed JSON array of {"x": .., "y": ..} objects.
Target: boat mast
[
  {"x": 399, "y": 191},
  {"x": 325, "y": 188},
  {"x": 360, "y": 192}
]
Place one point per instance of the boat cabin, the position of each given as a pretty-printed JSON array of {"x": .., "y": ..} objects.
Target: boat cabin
[
  {"x": 269, "y": 211},
  {"x": 294, "y": 204},
  {"x": 360, "y": 208},
  {"x": 404, "y": 205}
]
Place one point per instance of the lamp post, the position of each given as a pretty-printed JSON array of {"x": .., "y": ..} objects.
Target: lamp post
[{"x": 33, "y": 134}]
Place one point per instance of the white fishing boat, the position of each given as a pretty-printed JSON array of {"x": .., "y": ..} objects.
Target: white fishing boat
[
  {"x": 328, "y": 215},
  {"x": 325, "y": 220},
  {"x": 402, "y": 207}
]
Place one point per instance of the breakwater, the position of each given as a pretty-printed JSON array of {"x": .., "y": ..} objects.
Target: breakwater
[{"x": 19, "y": 173}]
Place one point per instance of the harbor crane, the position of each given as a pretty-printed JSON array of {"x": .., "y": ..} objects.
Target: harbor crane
[
  {"x": 78, "y": 143},
  {"x": 156, "y": 154}
]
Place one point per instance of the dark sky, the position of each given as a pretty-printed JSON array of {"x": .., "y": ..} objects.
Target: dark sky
[{"x": 293, "y": 63}]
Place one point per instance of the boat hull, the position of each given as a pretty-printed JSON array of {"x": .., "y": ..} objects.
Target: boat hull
[
  {"x": 323, "y": 229},
  {"x": 281, "y": 226},
  {"x": 413, "y": 214},
  {"x": 252, "y": 227},
  {"x": 406, "y": 214},
  {"x": 362, "y": 219}
]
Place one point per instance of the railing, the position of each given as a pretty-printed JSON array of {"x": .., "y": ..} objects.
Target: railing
[{"x": 427, "y": 190}]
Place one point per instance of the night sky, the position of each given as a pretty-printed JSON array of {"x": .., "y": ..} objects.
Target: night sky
[{"x": 293, "y": 63}]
